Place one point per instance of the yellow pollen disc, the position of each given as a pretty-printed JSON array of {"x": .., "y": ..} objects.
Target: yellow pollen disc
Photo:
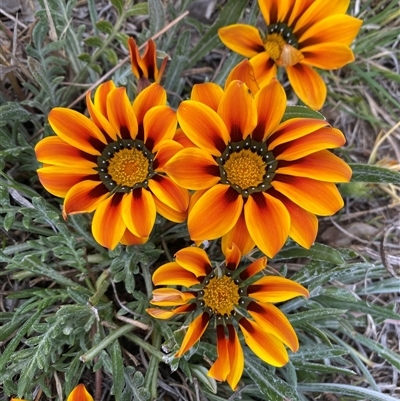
[
  {"x": 245, "y": 169},
  {"x": 274, "y": 45},
  {"x": 128, "y": 167},
  {"x": 221, "y": 295}
]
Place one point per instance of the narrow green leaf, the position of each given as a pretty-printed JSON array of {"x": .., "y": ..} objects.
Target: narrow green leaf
[
  {"x": 344, "y": 389},
  {"x": 105, "y": 26},
  {"x": 40, "y": 76},
  {"x": 318, "y": 251},
  {"x": 13, "y": 344},
  {"x": 228, "y": 15},
  {"x": 300, "y": 318},
  {"x": 156, "y": 16},
  {"x": 201, "y": 373},
  {"x": 94, "y": 41},
  {"x": 301, "y": 111},
  {"x": 271, "y": 386},
  {"x": 119, "y": 5},
  {"x": 117, "y": 370},
  {"x": 368, "y": 173},
  {"x": 138, "y": 9},
  {"x": 320, "y": 368},
  {"x": 13, "y": 112},
  {"x": 317, "y": 352}
]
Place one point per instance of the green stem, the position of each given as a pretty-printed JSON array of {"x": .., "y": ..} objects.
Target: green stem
[
  {"x": 152, "y": 370},
  {"x": 145, "y": 345},
  {"x": 89, "y": 355},
  {"x": 147, "y": 280}
]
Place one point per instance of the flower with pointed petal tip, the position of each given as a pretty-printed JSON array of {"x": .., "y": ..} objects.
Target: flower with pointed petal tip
[
  {"x": 79, "y": 393},
  {"x": 144, "y": 67},
  {"x": 257, "y": 180},
  {"x": 113, "y": 163},
  {"x": 301, "y": 35},
  {"x": 220, "y": 295}
]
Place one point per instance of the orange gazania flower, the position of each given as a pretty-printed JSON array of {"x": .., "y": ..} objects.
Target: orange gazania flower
[
  {"x": 79, "y": 393},
  {"x": 112, "y": 163},
  {"x": 301, "y": 34},
  {"x": 220, "y": 295},
  {"x": 144, "y": 67},
  {"x": 258, "y": 180}
]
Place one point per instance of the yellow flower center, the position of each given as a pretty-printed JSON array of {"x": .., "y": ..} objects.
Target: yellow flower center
[
  {"x": 274, "y": 44},
  {"x": 245, "y": 169},
  {"x": 128, "y": 167},
  {"x": 221, "y": 295}
]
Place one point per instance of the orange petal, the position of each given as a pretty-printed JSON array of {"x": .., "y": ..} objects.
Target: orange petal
[
  {"x": 244, "y": 72},
  {"x": 194, "y": 260},
  {"x": 108, "y": 226},
  {"x": 275, "y": 289},
  {"x": 268, "y": 222},
  {"x": 207, "y": 93},
  {"x": 169, "y": 193},
  {"x": 215, "y": 213},
  {"x": 193, "y": 168},
  {"x": 320, "y": 139},
  {"x": 322, "y": 166},
  {"x": 203, "y": 126},
  {"x": 99, "y": 117},
  {"x": 77, "y": 130},
  {"x": 153, "y": 95},
  {"x": 340, "y": 28},
  {"x": 195, "y": 331},
  {"x": 317, "y": 11},
  {"x": 173, "y": 274},
  {"x": 220, "y": 369},
  {"x": 169, "y": 213},
  {"x": 100, "y": 96},
  {"x": 131, "y": 239},
  {"x": 139, "y": 212},
  {"x": 239, "y": 234},
  {"x": 308, "y": 85},
  {"x": 237, "y": 358},
  {"x": 148, "y": 62},
  {"x": 293, "y": 129},
  {"x": 135, "y": 57},
  {"x": 266, "y": 346},
  {"x": 303, "y": 224},
  {"x": 264, "y": 68},
  {"x": 242, "y": 39},
  {"x": 317, "y": 197},
  {"x": 271, "y": 105},
  {"x": 182, "y": 138},
  {"x": 232, "y": 256},
  {"x": 254, "y": 268},
  {"x": 170, "y": 297},
  {"x": 79, "y": 393},
  {"x": 275, "y": 10},
  {"x": 273, "y": 321},
  {"x": 327, "y": 56},
  {"x": 237, "y": 97},
  {"x": 120, "y": 114},
  {"x": 159, "y": 125},
  {"x": 58, "y": 180},
  {"x": 167, "y": 314},
  {"x": 84, "y": 197},
  {"x": 53, "y": 150},
  {"x": 165, "y": 152}
]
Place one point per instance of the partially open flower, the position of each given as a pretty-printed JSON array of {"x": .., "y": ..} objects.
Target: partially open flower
[
  {"x": 301, "y": 35},
  {"x": 79, "y": 393},
  {"x": 113, "y": 163},
  {"x": 228, "y": 297},
  {"x": 144, "y": 67}
]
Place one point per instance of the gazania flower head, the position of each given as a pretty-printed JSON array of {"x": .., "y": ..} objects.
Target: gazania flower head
[
  {"x": 228, "y": 297},
  {"x": 113, "y": 163},
  {"x": 79, "y": 393},
  {"x": 257, "y": 180},
  {"x": 144, "y": 67},
  {"x": 301, "y": 35}
]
